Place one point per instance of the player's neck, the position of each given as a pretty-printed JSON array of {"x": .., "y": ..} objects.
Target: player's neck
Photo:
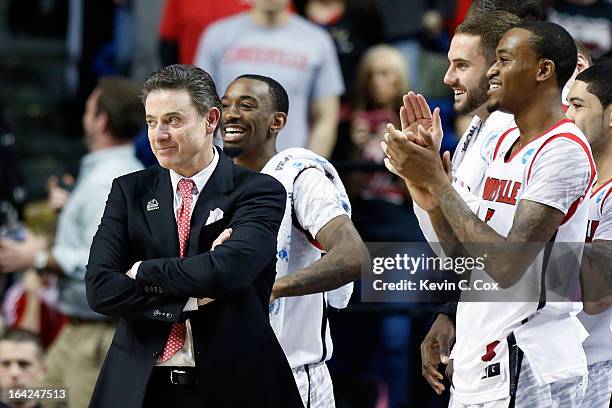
[
  {"x": 257, "y": 160},
  {"x": 539, "y": 115},
  {"x": 482, "y": 113},
  {"x": 270, "y": 19},
  {"x": 603, "y": 162}
]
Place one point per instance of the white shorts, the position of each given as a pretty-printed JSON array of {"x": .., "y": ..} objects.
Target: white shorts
[
  {"x": 315, "y": 385},
  {"x": 562, "y": 394},
  {"x": 599, "y": 388}
]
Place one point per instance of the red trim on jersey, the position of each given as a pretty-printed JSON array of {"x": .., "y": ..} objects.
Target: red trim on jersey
[
  {"x": 576, "y": 139},
  {"x": 500, "y": 140},
  {"x": 600, "y": 187},
  {"x": 556, "y": 125},
  {"x": 564, "y": 107}
]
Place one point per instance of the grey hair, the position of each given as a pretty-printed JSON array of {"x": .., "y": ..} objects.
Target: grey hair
[{"x": 190, "y": 78}]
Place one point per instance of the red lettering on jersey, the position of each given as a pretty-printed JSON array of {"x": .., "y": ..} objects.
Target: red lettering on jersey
[
  {"x": 591, "y": 228},
  {"x": 490, "y": 189},
  {"x": 509, "y": 195},
  {"x": 502, "y": 191},
  {"x": 490, "y": 354},
  {"x": 489, "y": 214}
]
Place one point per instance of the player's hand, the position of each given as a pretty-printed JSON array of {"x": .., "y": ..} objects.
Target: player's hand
[
  {"x": 416, "y": 112},
  {"x": 435, "y": 349},
  {"x": 224, "y": 236}
]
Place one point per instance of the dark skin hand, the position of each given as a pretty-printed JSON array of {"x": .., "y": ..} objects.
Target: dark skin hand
[
  {"x": 435, "y": 349},
  {"x": 533, "y": 222}
]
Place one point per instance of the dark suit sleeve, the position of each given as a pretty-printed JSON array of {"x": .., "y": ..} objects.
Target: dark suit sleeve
[
  {"x": 234, "y": 265},
  {"x": 109, "y": 290}
]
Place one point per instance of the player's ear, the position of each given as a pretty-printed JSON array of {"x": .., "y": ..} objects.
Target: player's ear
[
  {"x": 546, "y": 69},
  {"x": 278, "y": 122}
]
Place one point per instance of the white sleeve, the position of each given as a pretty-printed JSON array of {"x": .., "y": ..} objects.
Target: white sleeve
[
  {"x": 604, "y": 230},
  {"x": 315, "y": 200},
  {"x": 560, "y": 175}
]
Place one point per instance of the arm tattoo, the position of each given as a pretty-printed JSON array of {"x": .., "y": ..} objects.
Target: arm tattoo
[
  {"x": 533, "y": 223},
  {"x": 346, "y": 253},
  {"x": 601, "y": 260}
]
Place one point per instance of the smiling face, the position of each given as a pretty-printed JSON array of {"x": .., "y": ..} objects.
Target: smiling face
[
  {"x": 466, "y": 73},
  {"x": 180, "y": 138},
  {"x": 586, "y": 110},
  {"x": 513, "y": 77},
  {"x": 248, "y": 117}
]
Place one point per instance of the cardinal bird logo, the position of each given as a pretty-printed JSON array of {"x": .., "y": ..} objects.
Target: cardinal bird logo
[{"x": 490, "y": 354}]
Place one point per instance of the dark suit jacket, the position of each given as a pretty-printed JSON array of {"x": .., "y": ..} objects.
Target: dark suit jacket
[{"x": 238, "y": 359}]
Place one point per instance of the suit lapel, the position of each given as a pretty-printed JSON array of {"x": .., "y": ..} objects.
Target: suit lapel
[
  {"x": 211, "y": 197},
  {"x": 161, "y": 220}
]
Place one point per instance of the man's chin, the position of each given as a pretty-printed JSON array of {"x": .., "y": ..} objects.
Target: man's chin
[
  {"x": 232, "y": 151},
  {"x": 492, "y": 106}
]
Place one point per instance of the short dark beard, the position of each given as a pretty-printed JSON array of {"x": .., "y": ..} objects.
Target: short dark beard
[
  {"x": 232, "y": 152},
  {"x": 475, "y": 99}
]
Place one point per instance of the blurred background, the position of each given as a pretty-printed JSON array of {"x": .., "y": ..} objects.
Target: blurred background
[{"x": 53, "y": 52}]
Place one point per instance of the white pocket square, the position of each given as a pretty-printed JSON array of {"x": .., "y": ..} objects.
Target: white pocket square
[{"x": 215, "y": 215}]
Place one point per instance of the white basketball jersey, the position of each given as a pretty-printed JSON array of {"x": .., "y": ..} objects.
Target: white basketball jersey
[
  {"x": 598, "y": 346},
  {"x": 486, "y": 330}
]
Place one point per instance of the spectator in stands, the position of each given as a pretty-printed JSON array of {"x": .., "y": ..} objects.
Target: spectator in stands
[
  {"x": 113, "y": 115},
  {"x": 406, "y": 26},
  {"x": 21, "y": 364},
  {"x": 382, "y": 213},
  {"x": 31, "y": 304},
  {"x": 183, "y": 22},
  {"x": 354, "y": 26},
  {"x": 381, "y": 79},
  {"x": 270, "y": 40},
  {"x": 588, "y": 21}
]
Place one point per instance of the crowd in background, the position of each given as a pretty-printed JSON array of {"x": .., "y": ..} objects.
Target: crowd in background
[{"x": 345, "y": 64}]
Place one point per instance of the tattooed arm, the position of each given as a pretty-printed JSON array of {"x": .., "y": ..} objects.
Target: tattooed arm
[
  {"x": 596, "y": 277},
  {"x": 506, "y": 259},
  {"x": 342, "y": 264}
]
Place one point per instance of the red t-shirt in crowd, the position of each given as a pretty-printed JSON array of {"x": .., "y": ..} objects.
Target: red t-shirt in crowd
[{"x": 184, "y": 20}]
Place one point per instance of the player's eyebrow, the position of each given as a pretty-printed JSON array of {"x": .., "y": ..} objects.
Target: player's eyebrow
[{"x": 576, "y": 99}]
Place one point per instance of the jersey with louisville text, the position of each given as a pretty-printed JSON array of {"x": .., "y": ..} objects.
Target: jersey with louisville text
[{"x": 548, "y": 333}]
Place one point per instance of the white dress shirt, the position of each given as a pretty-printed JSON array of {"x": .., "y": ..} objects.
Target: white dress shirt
[{"x": 184, "y": 357}]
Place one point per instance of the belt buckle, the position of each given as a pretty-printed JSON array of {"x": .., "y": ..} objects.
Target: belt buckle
[{"x": 176, "y": 381}]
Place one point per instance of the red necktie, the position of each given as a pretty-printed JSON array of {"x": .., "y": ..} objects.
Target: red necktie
[{"x": 176, "y": 339}]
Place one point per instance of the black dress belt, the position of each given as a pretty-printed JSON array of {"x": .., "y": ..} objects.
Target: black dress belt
[{"x": 175, "y": 375}]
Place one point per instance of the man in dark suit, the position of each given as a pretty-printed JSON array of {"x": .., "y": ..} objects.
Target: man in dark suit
[{"x": 151, "y": 264}]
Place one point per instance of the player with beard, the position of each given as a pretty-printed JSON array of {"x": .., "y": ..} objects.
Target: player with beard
[
  {"x": 590, "y": 101},
  {"x": 254, "y": 110},
  {"x": 546, "y": 169},
  {"x": 471, "y": 53},
  {"x": 435, "y": 348}
]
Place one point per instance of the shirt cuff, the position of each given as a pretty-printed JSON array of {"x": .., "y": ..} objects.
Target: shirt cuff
[
  {"x": 192, "y": 304},
  {"x": 133, "y": 270}
]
